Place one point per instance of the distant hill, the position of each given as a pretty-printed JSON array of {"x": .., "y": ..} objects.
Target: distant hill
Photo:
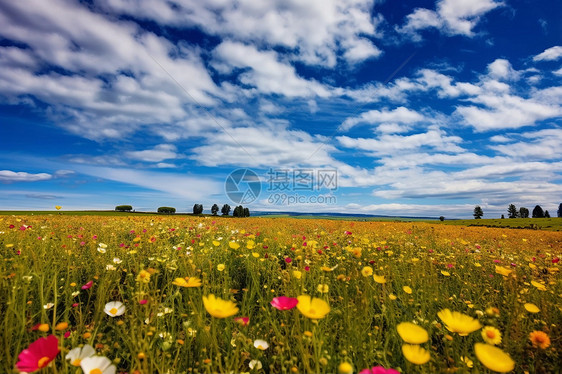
[{"x": 340, "y": 215}]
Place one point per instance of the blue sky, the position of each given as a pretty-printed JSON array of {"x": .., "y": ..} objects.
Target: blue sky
[{"x": 420, "y": 107}]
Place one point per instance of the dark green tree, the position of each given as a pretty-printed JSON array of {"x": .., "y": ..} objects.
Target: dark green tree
[
  {"x": 538, "y": 212},
  {"x": 478, "y": 212},
  {"x": 441, "y": 218},
  {"x": 559, "y": 210},
  {"x": 123, "y": 208},
  {"x": 246, "y": 212},
  {"x": 166, "y": 210},
  {"x": 214, "y": 209},
  {"x": 512, "y": 211},
  {"x": 198, "y": 209},
  {"x": 523, "y": 212},
  {"x": 225, "y": 209},
  {"x": 546, "y": 214},
  {"x": 503, "y": 216}
]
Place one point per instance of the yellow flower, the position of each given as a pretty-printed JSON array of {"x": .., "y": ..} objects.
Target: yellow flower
[
  {"x": 218, "y": 307},
  {"x": 415, "y": 354},
  {"x": 345, "y": 368},
  {"x": 538, "y": 285},
  {"x": 407, "y": 289},
  {"x": 539, "y": 339},
  {"x": 220, "y": 267},
  {"x": 392, "y": 296},
  {"x": 445, "y": 273},
  {"x": 412, "y": 333},
  {"x": 493, "y": 358},
  {"x": 187, "y": 282},
  {"x": 323, "y": 288},
  {"x": 503, "y": 271},
  {"x": 312, "y": 307},
  {"x": 250, "y": 244},
  {"x": 255, "y": 254},
  {"x": 491, "y": 335},
  {"x": 43, "y": 327},
  {"x": 467, "y": 361},
  {"x": 367, "y": 271},
  {"x": 458, "y": 322},
  {"x": 216, "y": 243},
  {"x": 61, "y": 326},
  {"x": 297, "y": 274},
  {"x": 144, "y": 276},
  {"x": 379, "y": 279},
  {"x": 234, "y": 245},
  {"x": 531, "y": 308}
]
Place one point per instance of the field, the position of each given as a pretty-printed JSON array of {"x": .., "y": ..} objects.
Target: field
[{"x": 137, "y": 289}]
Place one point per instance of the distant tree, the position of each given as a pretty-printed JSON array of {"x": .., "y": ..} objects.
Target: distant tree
[
  {"x": 546, "y": 214},
  {"x": 246, "y": 212},
  {"x": 523, "y": 212},
  {"x": 225, "y": 209},
  {"x": 197, "y": 208},
  {"x": 512, "y": 211},
  {"x": 538, "y": 212},
  {"x": 559, "y": 213},
  {"x": 441, "y": 218},
  {"x": 236, "y": 211},
  {"x": 214, "y": 209},
  {"x": 123, "y": 208},
  {"x": 503, "y": 217},
  {"x": 478, "y": 213},
  {"x": 166, "y": 210}
]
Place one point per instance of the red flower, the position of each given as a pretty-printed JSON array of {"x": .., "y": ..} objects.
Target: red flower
[
  {"x": 284, "y": 302},
  {"x": 242, "y": 320},
  {"x": 39, "y": 354}
]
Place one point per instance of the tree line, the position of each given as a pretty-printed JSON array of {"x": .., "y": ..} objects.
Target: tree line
[
  {"x": 522, "y": 212},
  {"x": 239, "y": 211}
]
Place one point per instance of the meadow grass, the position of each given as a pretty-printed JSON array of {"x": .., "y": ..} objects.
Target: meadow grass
[{"x": 427, "y": 267}]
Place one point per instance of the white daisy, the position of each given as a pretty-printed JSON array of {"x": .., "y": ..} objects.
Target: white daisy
[{"x": 114, "y": 308}]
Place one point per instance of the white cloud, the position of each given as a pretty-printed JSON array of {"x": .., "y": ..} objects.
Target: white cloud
[
  {"x": 387, "y": 144},
  {"x": 8, "y": 176},
  {"x": 272, "y": 145},
  {"x": 550, "y": 54},
  {"x": 453, "y": 17},
  {"x": 176, "y": 185},
  {"x": 400, "y": 115},
  {"x": 536, "y": 145},
  {"x": 159, "y": 153},
  {"x": 316, "y": 31},
  {"x": 502, "y": 69},
  {"x": 267, "y": 73}
]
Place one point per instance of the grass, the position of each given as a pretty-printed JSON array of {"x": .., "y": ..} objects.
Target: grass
[
  {"x": 427, "y": 267},
  {"x": 552, "y": 224}
]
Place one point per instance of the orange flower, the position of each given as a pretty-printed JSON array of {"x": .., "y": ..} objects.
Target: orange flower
[{"x": 539, "y": 339}]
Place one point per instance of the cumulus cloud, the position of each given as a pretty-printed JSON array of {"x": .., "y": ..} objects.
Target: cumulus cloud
[
  {"x": 9, "y": 176},
  {"x": 550, "y": 54},
  {"x": 453, "y": 17},
  {"x": 400, "y": 115},
  {"x": 159, "y": 153},
  {"x": 316, "y": 32}
]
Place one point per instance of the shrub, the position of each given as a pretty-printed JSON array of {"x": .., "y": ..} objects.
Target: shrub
[
  {"x": 123, "y": 208},
  {"x": 166, "y": 210}
]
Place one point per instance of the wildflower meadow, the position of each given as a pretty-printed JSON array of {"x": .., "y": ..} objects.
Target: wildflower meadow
[{"x": 182, "y": 294}]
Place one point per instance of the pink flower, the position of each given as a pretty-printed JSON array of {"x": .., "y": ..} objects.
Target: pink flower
[
  {"x": 379, "y": 370},
  {"x": 143, "y": 301},
  {"x": 288, "y": 260},
  {"x": 242, "y": 320},
  {"x": 555, "y": 260},
  {"x": 67, "y": 334},
  {"x": 88, "y": 285},
  {"x": 39, "y": 354},
  {"x": 284, "y": 302}
]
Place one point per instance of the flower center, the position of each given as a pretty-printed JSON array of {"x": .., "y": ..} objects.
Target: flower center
[
  {"x": 539, "y": 339},
  {"x": 113, "y": 311},
  {"x": 76, "y": 362},
  {"x": 490, "y": 334},
  {"x": 95, "y": 371},
  {"x": 43, "y": 361}
]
